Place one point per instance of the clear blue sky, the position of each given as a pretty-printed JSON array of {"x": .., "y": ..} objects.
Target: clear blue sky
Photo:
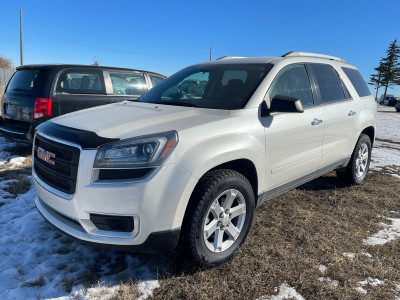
[{"x": 165, "y": 36}]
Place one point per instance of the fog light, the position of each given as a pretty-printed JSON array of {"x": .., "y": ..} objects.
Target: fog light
[{"x": 113, "y": 223}]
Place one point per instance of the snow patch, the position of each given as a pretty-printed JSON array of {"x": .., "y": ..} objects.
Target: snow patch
[
  {"x": 386, "y": 151},
  {"x": 322, "y": 269},
  {"x": 349, "y": 255},
  {"x": 361, "y": 290},
  {"x": 332, "y": 282},
  {"x": 147, "y": 287},
  {"x": 285, "y": 292},
  {"x": 389, "y": 233},
  {"x": 369, "y": 281},
  {"x": 37, "y": 261},
  {"x": 16, "y": 162},
  {"x": 366, "y": 254}
]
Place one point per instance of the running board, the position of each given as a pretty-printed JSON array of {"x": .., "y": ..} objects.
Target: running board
[{"x": 302, "y": 180}]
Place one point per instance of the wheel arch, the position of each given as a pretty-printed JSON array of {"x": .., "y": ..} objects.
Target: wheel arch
[
  {"x": 370, "y": 131},
  {"x": 242, "y": 165}
]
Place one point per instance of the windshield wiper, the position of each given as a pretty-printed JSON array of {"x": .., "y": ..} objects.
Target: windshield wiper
[{"x": 20, "y": 90}]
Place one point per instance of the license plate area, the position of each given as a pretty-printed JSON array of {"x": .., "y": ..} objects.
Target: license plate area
[{"x": 11, "y": 111}]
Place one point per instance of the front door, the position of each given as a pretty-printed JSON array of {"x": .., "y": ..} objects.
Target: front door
[{"x": 293, "y": 140}]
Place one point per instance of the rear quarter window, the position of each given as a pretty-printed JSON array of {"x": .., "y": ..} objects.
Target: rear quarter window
[
  {"x": 357, "y": 81},
  {"x": 25, "y": 81}
]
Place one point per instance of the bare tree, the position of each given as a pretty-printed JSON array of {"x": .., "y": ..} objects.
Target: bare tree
[{"x": 6, "y": 63}]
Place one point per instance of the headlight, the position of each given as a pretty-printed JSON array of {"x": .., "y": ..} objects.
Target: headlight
[{"x": 146, "y": 151}]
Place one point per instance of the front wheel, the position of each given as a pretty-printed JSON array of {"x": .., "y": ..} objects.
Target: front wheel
[
  {"x": 358, "y": 166},
  {"x": 219, "y": 217}
]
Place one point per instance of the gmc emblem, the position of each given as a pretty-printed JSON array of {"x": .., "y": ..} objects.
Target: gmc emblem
[{"x": 46, "y": 156}]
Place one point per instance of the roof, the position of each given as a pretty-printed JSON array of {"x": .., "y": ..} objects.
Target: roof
[{"x": 62, "y": 66}]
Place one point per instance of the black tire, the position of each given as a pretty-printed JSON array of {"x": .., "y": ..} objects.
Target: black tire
[
  {"x": 209, "y": 188},
  {"x": 350, "y": 175}
]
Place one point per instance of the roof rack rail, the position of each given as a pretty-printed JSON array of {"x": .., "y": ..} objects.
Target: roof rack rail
[
  {"x": 229, "y": 57},
  {"x": 296, "y": 53}
]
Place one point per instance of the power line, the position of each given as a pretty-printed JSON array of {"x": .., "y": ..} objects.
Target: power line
[{"x": 108, "y": 49}]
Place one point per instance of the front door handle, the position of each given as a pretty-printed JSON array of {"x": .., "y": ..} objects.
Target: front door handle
[
  {"x": 316, "y": 122},
  {"x": 351, "y": 113}
]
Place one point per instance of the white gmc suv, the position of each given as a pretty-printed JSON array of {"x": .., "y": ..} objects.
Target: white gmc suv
[{"x": 192, "y": 158}]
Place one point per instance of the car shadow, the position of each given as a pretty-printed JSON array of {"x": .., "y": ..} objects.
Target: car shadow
[{"x": 327, "y": 182}]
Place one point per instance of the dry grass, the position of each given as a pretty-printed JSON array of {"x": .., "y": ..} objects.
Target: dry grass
[
  {"x": 295, "y": 233},
  {"x": 20, "y": 174},
  {"x": 126, "y": 291}
]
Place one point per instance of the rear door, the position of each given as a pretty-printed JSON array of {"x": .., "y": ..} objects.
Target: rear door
[
  {"x": 125, "y": 85},
  {"x": 293, "y": 140},
  {"x": 80, "y": 88},
  {"x": 339, "y": 114}
]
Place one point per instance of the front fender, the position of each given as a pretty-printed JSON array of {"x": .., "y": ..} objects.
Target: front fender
[
  {"x": 210, "y": 153},
  {"x": 218, "y": 150}
]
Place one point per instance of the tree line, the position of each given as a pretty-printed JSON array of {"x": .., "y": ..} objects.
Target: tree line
[{"x": 388, "y": 72}]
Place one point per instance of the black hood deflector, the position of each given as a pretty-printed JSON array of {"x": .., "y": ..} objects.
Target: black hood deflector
[{"x": 86, "y": 139}]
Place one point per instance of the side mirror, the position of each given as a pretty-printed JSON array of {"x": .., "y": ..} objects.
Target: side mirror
[{"x": 282, "y": 103}]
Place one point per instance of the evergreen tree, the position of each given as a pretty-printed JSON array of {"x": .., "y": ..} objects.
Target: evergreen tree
[
  {"x": 390, "y": 67},
  {"x": 376, "y": 79}
]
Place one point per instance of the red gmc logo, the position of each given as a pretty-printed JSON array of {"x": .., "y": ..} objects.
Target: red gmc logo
[{"x": 46, "y": 156}]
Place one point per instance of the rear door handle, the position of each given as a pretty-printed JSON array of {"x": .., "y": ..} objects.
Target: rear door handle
[
  {"x": 351, "y": 113},
  {"x": 316, "y": 122}
]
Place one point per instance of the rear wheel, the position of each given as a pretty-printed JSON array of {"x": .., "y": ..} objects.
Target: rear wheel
[
  {"x": 358, "y": 166},
  {"x": 219, "y": 217}
]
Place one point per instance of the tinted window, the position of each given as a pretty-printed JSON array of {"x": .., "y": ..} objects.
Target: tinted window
[
  {"x": 346, "y": 91},
  {"x": 293, "y": 81},
  {"x": 357, "y": 81},
  {"x": 330, "y": 86},
  {"x": 127, "y": 83},
  {"x": 155, "y": 80},
  {"x": 76, "y": 82},
  {"x": 218, "y": 86},
  {"x": 25, "y": 81}
]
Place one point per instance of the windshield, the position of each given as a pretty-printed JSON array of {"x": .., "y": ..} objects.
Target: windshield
[
  {"x": 219, "y": 86},
  {"x": 25, "y": 81}
]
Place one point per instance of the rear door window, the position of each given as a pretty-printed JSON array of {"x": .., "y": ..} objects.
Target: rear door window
[
  {"x": 329, "y": 83},
  {"x": 25, "y": 81},
  {"x": 81, "y": 82},
  {"x": 293, "y": 81},
  {"x": 155, "y": 80},
  {"x": 128, "y": 83},
  {"x": 357, "y": 81}
]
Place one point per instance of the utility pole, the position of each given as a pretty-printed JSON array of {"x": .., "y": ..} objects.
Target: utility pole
[
  {"x": 20, "y": 36},
  {"x": 210, "y": 51}
]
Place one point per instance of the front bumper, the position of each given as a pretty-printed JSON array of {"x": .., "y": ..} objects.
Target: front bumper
[
  {"x": 157, "y": 205},
  {"x": 163, "y": 241}
]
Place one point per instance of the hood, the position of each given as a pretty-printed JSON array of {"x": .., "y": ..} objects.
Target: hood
[{"x": 129, "y": 119}]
